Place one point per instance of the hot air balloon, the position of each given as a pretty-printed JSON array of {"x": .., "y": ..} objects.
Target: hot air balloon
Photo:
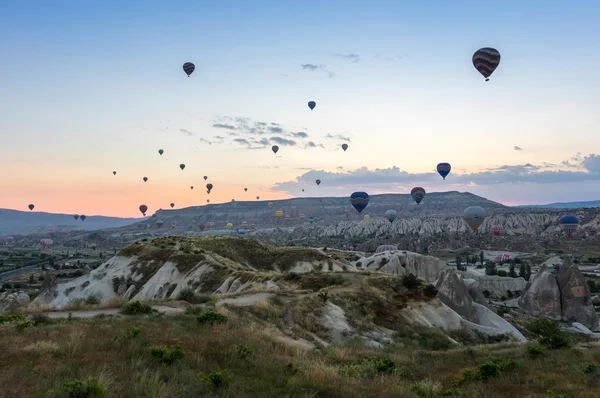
[
  {"x": 497, "y": 230},
  {"x": 229, "y": 225},
  {"x": 145, "y": 179},
  {"x": 312, "y": 104},
  {"x": 46, "y": 242},
  {"x": 275, "y": 149},
  {"x": 311, "y": 219},
  {"x": 207, "y": 200},
  {"x": 31, "y": 207},
  {"x": 385, "y": 248},
  {"x": 344, "y": 147},
  {"x": 191, "y": 187},
  {"x": 244, "y": 224},
  {"x": 318, "y": 182},
  {"x": 486, "y": 60},
  {"x": 569, "y": 224},
  {"x": 83, "y": 217},
  {"x": 279, "y": 213},
  {"x": 209, "y": 187},
  {"x": 182, "y": 166},
  {"x": 160, "y": 151},
  {"x": 258, "y": 197},
  {"x": 76, "y": 216},
  {"x": 201, "y": 227},
  {"x": 270, "y": 204},
  {"x": 443, "y": 169},
  {"x": 302, "y": 189},
  {"x": 159, "y": 223},
  {"x": 417, "y": 194},
  {"x": 143, "y": 209},
  {"x": 474, "y": 216},
  {"x": 205, "y": 178},
  {"x": 245, "y": 189},
  {"x": 207, "y": 225},
  {"x": 172, "y": 205},
  {"x": 391, "y": 215},
  {"x": 114, "y": 173},
  {"x": 189, "y": 68},
  {"x": 287, "y": 218},
  {"x": 367, "y": 217},
  {"x": 359, "y": 201}
]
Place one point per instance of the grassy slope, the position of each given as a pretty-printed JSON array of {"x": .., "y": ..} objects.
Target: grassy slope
[{"x": 40, "y": 359}]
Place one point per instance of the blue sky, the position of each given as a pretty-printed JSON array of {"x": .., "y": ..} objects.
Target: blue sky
[{"x": 92, "y": 87}]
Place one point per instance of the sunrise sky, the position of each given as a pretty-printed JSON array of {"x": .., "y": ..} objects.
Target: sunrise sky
[{"x": 91, "y": 87}]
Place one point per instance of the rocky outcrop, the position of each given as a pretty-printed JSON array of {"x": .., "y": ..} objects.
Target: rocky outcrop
[
  {"x": 13, "y": 301},
  {"x": 542, "y": 295},
  {"x": 403, "y": 262},
  {"x": 475, "y": 292},
  {"x": 575, "y": 297},
  {"x": 453, "y": 292},
  {"x": 48, "y": 291},
  {"x": 498, "y": 286},
  {"x": 560, "y": 293}
]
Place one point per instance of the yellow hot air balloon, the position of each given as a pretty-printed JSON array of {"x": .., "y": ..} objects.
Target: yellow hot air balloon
[
  {"x": 244, "y": 224},
  {"x": 229, "y": 225},
  {"x": 366, "y": 217},
  {"x": 270, "y": 204},
  {"x": 279, "y": 213}
]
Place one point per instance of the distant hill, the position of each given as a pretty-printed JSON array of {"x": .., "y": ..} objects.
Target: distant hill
[
  {"x": 21, "y": 222},
  {"x": 564, "y": 205}
]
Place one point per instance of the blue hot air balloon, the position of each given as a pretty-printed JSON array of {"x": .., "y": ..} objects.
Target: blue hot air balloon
[
  {"x": 444, "y": 169},
  {"x": 359, "y": 200},
  {"x": 311, "y": 219},
  {"x": 312, "y": 104},
  {"x": 569, "y": 224}
]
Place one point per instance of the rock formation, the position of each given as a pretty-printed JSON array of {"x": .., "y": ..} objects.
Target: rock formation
[{"x": 13, "y": 301}]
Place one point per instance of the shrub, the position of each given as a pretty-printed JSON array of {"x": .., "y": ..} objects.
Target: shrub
[
  {"x": 211, "y": 317},
  {"x": 136, "y": 307},
  {"x": 410, "y": 281},
  {"x": 130, "y": 334},
  {"x": 385, "y": 366},
  {"x": 92, "y": 299},
  {"x": 24, "y": 324},
  {"x": 491, "y": 369},
  {"x": 166, "y": 356},
  {"x": 591, "y": 368},
  {"x": 42, "y": 319},
  {"x": 502, "y": 273},
  {"x": 291, "y": 276},
  {"x": 91, "y": 388},
  {"x": 486, "y": 293},
  {"x": 216, "y": 379},
  {"x": 430, "y": 291},
  {"x": 548, "y": 332},
  {"x": 188, "y": 294},
  {"x": 502, "y": 311},
  {"x": 11, "y": 318},
  {"x": 243, "y": 351},
  {"x": 535, "y": 350}
]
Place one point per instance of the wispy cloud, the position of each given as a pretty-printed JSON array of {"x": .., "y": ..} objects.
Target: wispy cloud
[
  {"x": 186, "y": 132},
  {"x": 206, "y": 141},
  {"x": 338, "y": 137},
  {"x": 348, "y": 57},
  {"x": 311, "y": 144},
  {"x": 312, "y": 67},
  {"x": 517, "y": 148},
  {"x": 223, "y": 126},
  {"x": 242, "y": 141},
  {"x": 283, "y": 141},
  {"x": 300, "y": 134}
]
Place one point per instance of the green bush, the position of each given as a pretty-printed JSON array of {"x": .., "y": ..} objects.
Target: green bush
[
  {"x": 243, "y": 351},
  {"x": 385, "y": 366},
  {"x": 189, "y": 294},
  {"x": 136, "y": 307},
  {"x": 166, "y": 356},
  {"x": 216, "y": 379},
  {"x": 211, "y": 317},
  {"x": 91, "y": 388},
  {"x": 502, "y": 273},
  {"x": 92, "y": 299},
  {"x": 535, "y": 350},
  {"x": 491, "y": 369},
  {"x": 130, "y": 334},
  {"x": 410, "y": 281},
  {"x": 591, "y": 368},
  {"x": 24, "y": 324},
  {"x": 42, "y": 319},
  {"x": 548, "y": 332},
  {"x": 11, "y": 318}
]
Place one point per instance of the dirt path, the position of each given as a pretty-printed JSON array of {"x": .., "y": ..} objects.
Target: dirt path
[
  {"x": 244, "y": 301},
  {"x": 163, "y": 309}
]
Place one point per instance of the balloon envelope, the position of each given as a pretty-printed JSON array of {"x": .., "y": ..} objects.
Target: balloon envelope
[
  {"x": 143, "y": 209},
  {"x": 391, "y": 215},
  {"x": 275, "y": 148},
  {"x": 474, "y": 216},
  {"x": 172, "y": 205},
  {"x": 444, "y": 169},
  {"x": 367, "y": 217},
  {"x": 318, "y": 182},
  {"x": 569, "y": 223},
  {"x": 83, "y": 217},
  {"x": 312, "y": 104},
  {"x": 189, "y": 68},
  {"x": 160, "y": 151},
  {"x": 344, "y": 147},
  {"x": 31, "y": 207},
  {"x": 182, "y": 166},
  {"x": 145, "y": 179},
  {"x": 76, "y": 216},
  {"x": 229, "y": 225},
  {"x": 114, "y": 173},
  {"x": 486, "y": 60},
  {"x": 279, "y": 214},
  {"x": 46, "y": 242},
  {"x": 497, "y": 230},
  {"x": 417, "y": 194},
  {"x": 209, "y": 186},
  {"x": 359, "y": 200},
  {"x": 385, "y": 248}
]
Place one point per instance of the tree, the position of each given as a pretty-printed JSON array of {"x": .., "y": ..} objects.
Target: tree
[
  {"x": 31, "y": 279},
  {"x": 490, "y": 268},
  {"x": 481, "y": 258},
  {"x": 458, "y": 263},
  {"x": 512, "y": 272}
]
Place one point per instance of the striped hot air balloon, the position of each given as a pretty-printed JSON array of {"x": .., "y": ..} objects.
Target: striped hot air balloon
[
  {"x": 486, "y": 60},
  {"x": 497, "y": 230},
  {"x": 386, "y": 248},
  {"x": 189, "y": 68},
  {"x": 359, "y": 200}
]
